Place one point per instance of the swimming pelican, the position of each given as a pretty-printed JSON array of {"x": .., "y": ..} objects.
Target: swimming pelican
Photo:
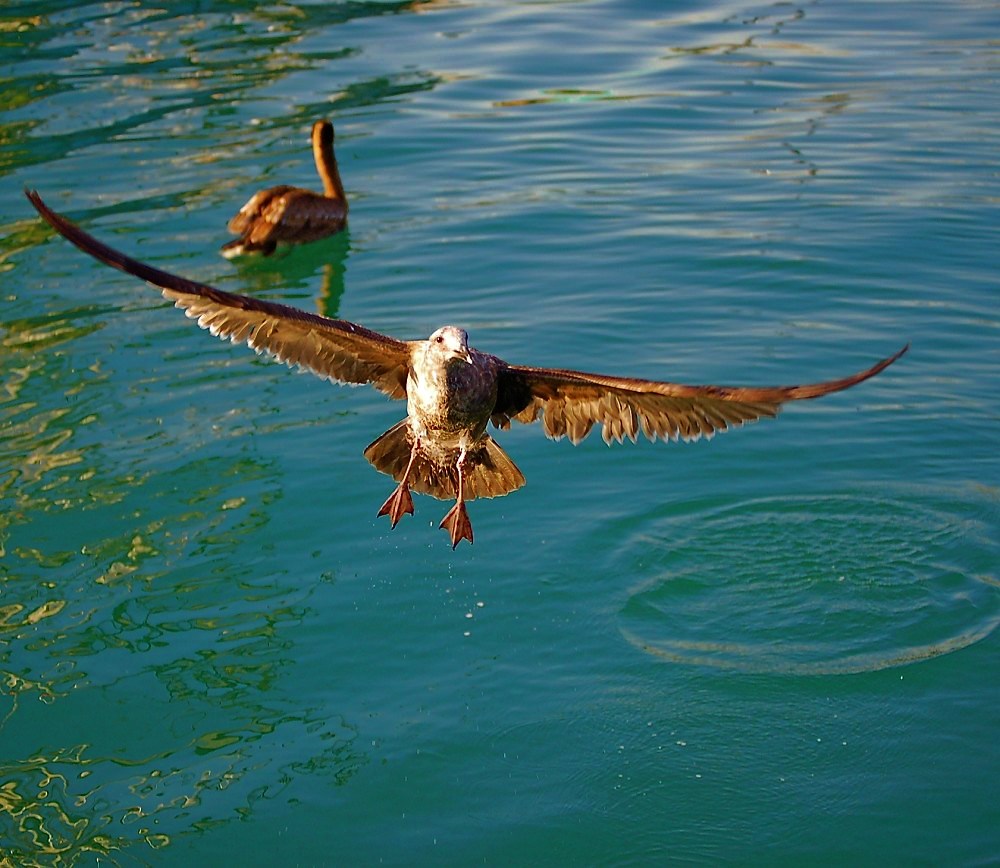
[{"x": 293, "y": 215}]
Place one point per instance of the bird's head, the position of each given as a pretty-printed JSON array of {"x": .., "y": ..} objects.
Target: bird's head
[
  {"x": 451, "y": 342},
  {"x": 322, "y": 134}
]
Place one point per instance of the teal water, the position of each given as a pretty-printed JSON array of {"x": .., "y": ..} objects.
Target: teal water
[{"x": 779, "y": 647}]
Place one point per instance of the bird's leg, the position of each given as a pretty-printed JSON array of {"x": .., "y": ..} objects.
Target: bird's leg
[
  {"x": 456, "y": 522},
  {"x": 399, "y": 503}
]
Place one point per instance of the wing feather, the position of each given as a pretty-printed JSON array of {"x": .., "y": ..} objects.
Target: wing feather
[
  {"x": 257, "y": 203},
  {"x": 570, "y": 403},
  {"x": 335, "y": 349},
  {"x": 295, "y": 215}
]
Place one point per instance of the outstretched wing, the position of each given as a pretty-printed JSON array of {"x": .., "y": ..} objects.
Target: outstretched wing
[
  {"x": 572, "y": 402},
  {"x": 335, "y": 349}
]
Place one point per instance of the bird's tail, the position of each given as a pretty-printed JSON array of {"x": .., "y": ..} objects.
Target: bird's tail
[{"x": 488, "y": 470}]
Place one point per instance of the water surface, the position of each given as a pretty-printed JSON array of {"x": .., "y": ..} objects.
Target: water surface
[{"x": 777, "y": 647}]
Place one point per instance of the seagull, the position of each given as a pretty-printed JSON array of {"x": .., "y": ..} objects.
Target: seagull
[
  {"x": 293, "y": 215},
  {"x": 454, "y": 391}
]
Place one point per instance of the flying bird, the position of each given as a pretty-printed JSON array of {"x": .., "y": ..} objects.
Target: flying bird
[
  {"x": 454, "y": 391},
  {"x": 292, "y": 215}
]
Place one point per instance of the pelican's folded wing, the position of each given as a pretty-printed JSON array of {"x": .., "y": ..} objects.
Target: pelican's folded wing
[
  {"x": 572, "y": 402},
  {"x": 298, "y": 213},
  {"x": 255, "y": 205},
  {"x": 336, "y": 349}
]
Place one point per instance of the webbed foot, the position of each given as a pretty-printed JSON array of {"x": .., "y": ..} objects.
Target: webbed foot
[
  {"x": 398, "y": 504},
  {"x": 457, "y": 523}
]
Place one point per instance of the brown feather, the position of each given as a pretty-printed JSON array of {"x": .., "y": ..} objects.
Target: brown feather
[
  {"x": 335, "y": 349},
  {"x": 293, "y": 215},
  {"x": 489, "y": 470},
  {"x": 570, "y": 403}
]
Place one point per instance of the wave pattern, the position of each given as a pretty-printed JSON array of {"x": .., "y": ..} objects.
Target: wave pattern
[{"x": 830, "y": 584}]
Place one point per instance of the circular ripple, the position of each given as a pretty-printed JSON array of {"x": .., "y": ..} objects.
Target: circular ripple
[{"x": 815, "y": 585}]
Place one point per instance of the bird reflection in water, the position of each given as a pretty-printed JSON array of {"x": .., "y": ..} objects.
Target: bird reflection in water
[{"x": 296, "y": 274}]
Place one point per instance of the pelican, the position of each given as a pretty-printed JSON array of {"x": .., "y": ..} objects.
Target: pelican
[{"x": 293, "y": 215}]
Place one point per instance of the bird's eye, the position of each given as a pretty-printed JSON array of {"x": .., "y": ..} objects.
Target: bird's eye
[{"x": 439, "y": 339}]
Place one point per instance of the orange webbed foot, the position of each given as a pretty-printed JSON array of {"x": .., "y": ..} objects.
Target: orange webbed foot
[
  {"x": 457, "y": 523},
  {"x": 398, "y": 504}
]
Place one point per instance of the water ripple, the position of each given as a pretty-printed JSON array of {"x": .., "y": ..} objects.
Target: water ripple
[{"x": 815, "y": 585}]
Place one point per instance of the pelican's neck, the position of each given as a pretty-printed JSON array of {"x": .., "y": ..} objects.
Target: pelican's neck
[{"x": 326, "y": 165}]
